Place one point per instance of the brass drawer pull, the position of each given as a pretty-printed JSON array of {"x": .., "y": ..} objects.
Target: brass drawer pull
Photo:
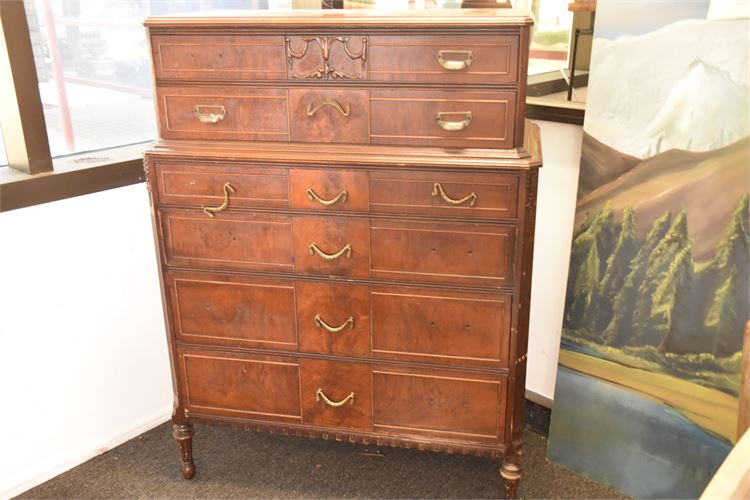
[
  {"x": 312, "y": 196},
  {"x": 335, "y": 404},
  {"x": 453, "y": 126},
  {"x": 333, "y": 329},
  {"x": 210, "y": 211},
  {"x": 313, "y": 249},
  {"x": 452, "y": 64},
  {"x": 437, "y": 189},
  {"x": 209, "y": 117},
  {"x": 327, "y": 102}
]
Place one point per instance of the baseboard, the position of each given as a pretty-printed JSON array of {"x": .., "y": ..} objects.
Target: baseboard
[
  {"x": 537, "y": 413},
  {"x": 136, "y": 430}
]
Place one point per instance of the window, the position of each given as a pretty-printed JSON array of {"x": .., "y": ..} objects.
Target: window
[
  {"x": 550, "y": 40},
  {"x": 93, "y": 68}
]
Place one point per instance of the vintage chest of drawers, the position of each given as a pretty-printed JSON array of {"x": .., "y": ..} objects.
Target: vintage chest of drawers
[{"x": 344, "y": 209}]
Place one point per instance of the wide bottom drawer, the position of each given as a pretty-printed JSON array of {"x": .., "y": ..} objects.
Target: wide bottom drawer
[{"x": 380, "y": 398}]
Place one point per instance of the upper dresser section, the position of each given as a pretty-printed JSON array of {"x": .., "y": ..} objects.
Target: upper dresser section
[{"x": 447, "y": 78}]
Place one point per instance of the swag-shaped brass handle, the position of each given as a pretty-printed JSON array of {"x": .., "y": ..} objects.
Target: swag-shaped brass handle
[
  {"x": 311, "y": 110},
  {"x": 437, "y": 189},
  {"x": 210, "y": 211},
  {"x": 313, "y": 249},
  {"x": 453, "y": 64},
  {"x": 335, "y": 404},
  {"x": 313, "y": 196},
  {"x": 333, "y": 329}
]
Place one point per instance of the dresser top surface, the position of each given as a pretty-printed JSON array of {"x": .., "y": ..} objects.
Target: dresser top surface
[{"x": 344, "y": 18}]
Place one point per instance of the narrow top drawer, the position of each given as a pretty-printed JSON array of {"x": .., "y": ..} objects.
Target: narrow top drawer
[
  {"x": 444, "y": 58},
  {"x": 218, "y": 57}
]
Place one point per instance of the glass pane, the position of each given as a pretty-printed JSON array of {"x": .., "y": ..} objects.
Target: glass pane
[
  {"x": 550, "y": 39},
  {"x": 94, "y": 68}
]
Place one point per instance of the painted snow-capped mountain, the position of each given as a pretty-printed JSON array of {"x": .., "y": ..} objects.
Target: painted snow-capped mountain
[
  {"x": 706, "y": 110},
  {"x": 682, "y": 86}
]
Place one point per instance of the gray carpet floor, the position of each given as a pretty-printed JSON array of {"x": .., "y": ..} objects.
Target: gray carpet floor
[{"x": 233, "y": 463}]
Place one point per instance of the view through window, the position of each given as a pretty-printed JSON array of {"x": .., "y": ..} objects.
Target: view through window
[{"x": 93, "y": 67}]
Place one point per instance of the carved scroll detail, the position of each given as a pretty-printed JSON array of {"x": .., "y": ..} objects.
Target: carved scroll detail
[{"x": 325, "y": 43}]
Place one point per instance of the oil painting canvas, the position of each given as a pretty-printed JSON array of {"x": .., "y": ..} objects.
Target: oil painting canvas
[{"x": 646, "y": 397}]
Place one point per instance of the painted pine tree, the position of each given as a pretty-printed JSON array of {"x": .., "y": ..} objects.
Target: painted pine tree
[
  {"x": 589, "y": 254},
  {"x": 620, "y": 330},
  {"x": 617, "y": 268},
  {"x": 651, "y": 316}
]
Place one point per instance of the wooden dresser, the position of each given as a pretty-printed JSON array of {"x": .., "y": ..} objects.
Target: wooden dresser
[{"x": 344, "y": 209}]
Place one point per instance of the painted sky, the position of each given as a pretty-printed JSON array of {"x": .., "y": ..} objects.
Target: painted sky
[{"x": 616, "y": 18}]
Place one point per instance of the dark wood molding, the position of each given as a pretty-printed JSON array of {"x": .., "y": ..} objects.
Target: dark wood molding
[
  {"x": 21, "y": 112},
  {"x": 74, "y": 175},
  {"x": 553, "y": 111}
]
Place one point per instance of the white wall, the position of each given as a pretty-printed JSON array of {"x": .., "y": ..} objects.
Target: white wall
[
  {"x": 558, "y": 184},
  {"x": 84, "y": 363},
  {"x": 83, "y": 356}
]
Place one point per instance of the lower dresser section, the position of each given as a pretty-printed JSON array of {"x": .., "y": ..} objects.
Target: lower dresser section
[{"x": 458, "y": 406}]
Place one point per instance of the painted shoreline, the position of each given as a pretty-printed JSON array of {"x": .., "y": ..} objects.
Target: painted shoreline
[{"x": 710, "y": 409}]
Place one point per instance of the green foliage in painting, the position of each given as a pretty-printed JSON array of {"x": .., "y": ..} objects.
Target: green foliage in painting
[
  {"x": 650, "y": 297},
  {"x": 620, "y": 327},
  {"x": 599, "y": 238}
]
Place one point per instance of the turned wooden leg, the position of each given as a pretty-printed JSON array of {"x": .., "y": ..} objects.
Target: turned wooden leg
[
  {"x": 510, "y": 471},
  {"x": 183, "y": 434}
]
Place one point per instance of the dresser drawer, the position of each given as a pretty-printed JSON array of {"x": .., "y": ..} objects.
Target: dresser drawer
[
  {"x": 469, "y": 254},
  {"x": 329, "y": 115},
  {"x": 233, "y": 310},
  {"x": 334, "y": 190},
  {"x": 449, "y": 404},
  {"x": 459, "y": 118},
  {"x": 437, "y": 326},
  {"x": 239, "y": 385},
  {"x": 234, "y": 241},
  {"x": 336, "y": 394},
  {"x": 209, "y": 186},
  {"x": 333, "y": 318},
  {"x": 486, "y": 196},
  {"x": 227, "y": 113},
  {"x": 332, "y": 246},
  {"x": 219, "y": 57},
  {"x": 445, "y": 58}
]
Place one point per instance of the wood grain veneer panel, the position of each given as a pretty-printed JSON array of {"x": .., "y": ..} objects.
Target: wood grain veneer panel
[
  {"x": 441, "y": 404},
  {"x": 233, "y": 310},
  {"x": 408, "y": 117},
  {"x": 246, "y": 386},
  {"x": 219, "y": 57},
  {"x": 336, "y": 380},
  {"x": 203, "y": 185},
  {"x": 335, "y": 303},
  {"x": 436, "y": 326},
  {"x": 330, "y": 235},
  {"x": 249, "y": 114},
  {"x": 315, "y": 115},
  {"x": 414, "y": 192},
  {"x": 329, "y": 185},
  {"x": 229, "y": 241},
  {"x": 454, "y": 253},
  {"x": 411, "y": 58}
]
